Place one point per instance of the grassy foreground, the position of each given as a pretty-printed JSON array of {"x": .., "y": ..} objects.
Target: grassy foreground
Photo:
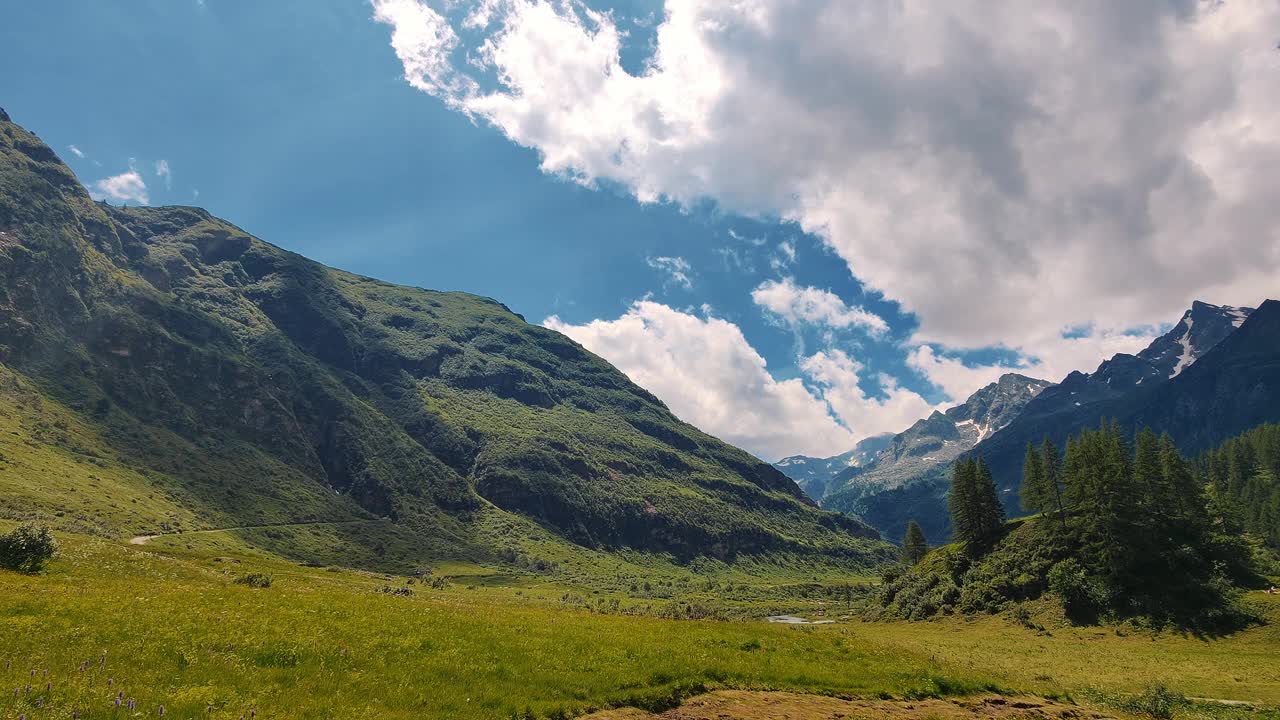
[{"x": 179, "y": 631}]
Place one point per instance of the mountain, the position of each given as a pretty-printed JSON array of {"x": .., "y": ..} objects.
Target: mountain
[
  {"x": 1213, "y": 375},
  {"x": 162, "y": 369},
  {"x": 927, "y": 449},
  {"x": 813, "y": 474}
]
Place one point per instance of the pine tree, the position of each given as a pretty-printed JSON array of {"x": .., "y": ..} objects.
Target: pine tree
[
  {"x": 991, "y": 512},
  {"x": 1033, "y": 493},
  {"x": 963, "y": 505},
  {"x": 1149, "y": 474},
  {"x": 914, "y": 545},
  {"x": 977, "y": 517},
  {"x": 1052, "y": 465}
]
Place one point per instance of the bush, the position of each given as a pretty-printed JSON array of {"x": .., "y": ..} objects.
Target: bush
[
  {"x": 1082, "y": 596},
  {"x": 27, "y": 548},
  {"x": 256, "y": 580},
  {"x": 1158, "y": 702}
]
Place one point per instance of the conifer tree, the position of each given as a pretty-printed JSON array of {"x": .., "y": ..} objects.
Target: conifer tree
[
  {"x": 963, "y": 505},
  {"x": 1052, "y": 465},
  {"x": 1033, "y": 493},
  {"x": 991, "y": 511},
  {"x": 1149, "y": 475},
  {"x": 914, "y": 545}
]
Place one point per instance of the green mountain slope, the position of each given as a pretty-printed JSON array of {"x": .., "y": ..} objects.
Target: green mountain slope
[{"x": 162, "y": 368}]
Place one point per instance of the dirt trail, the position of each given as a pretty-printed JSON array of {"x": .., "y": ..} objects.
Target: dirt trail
[
  {"x": 749, "y": 705},
  {"x": 144, "y": 539}
]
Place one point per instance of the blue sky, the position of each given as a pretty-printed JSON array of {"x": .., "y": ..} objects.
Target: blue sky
[{"x": 676, "y": 247}]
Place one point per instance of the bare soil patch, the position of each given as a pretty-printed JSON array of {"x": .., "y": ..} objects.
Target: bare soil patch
[{"x": 748, "y": 705}]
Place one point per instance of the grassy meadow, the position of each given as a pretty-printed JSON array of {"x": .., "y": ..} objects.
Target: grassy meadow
[{"x": 169, "y": 624}]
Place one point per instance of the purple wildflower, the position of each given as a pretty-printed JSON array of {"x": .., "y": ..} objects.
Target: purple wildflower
[
  {"x": 117, "y": 702},
  {"x": 110, "y": 682},
  {"x": 161, "y": 711},
  {"x": 132, "y": 704},
  {"x": 120, "y": 694},
  {"x": 48, "y": 686},
  {"x": 209, "y": 708},
  {"x": 33, "y": 672}
]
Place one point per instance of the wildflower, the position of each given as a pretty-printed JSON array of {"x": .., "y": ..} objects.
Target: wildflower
[
  {"x": 48, "y": 686},
  {"x": 110, "y": 681},
  {"x": 120, "y": 694},
  {"x": 209, "y": 708},
  {"x": 161, "y": 711},
  {"x": 132, "y": 704},
  {"x": 117, "y": 702}
]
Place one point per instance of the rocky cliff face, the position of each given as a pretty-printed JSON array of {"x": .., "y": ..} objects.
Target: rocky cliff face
[{"x": 927, "y": 448}]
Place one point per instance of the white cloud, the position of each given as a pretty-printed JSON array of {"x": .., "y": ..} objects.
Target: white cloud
[
  {"x": 799, "y": 305},
  {"x": 788, "y": 250},
  {"x": 1001, "y": 169},
  {"x": 76, "y": 151},
  {"x": 162, "y": 171},
  {"x": 710, "y": 376},
  {"x": 956, "y": 379},
  {"x": 125, "y": 187},
  {"x": 1048, "y": 357},
  {"x": 839, "y": 377},
  {"x": 676, "y": 268}
]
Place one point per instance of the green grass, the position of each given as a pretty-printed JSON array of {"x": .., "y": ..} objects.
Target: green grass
[
  {"x": 178, "y": 629},
  {"x": 183, "y": 633}
]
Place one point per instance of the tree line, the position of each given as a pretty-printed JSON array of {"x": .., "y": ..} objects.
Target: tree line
[{"x": 1126, "y": 525}]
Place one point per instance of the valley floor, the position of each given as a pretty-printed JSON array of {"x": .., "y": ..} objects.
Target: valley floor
[{"x": 163, "y": 627}]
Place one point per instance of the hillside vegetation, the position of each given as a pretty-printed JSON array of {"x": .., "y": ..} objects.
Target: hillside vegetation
[
  {"x": 1125, "y": 532},
  {"x": 161, "y": 370}
]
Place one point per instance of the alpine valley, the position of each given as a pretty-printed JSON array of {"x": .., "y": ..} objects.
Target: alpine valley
[{"x": 238, "y": 483}]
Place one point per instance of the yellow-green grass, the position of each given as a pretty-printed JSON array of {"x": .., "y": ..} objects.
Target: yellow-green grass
[
  {"x": 1097, "y": 660},
  {"x": 183, "y": 634},
  {"x": 176, "y": 629}
]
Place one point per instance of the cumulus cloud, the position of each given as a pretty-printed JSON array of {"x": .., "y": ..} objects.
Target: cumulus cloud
[
  {"x": 709, "y": 375},
  {"x": 675, "y": 268},
  {"x": 839, "y": 376},
  {"x": 1003, "y": 170},
  {"x": 125, "y": 187},
  {"x": 952, "y": 375},
  {"x": 707, "y": 372},
  {"x": 798, "y": 305},
  {"x": 1047, "y": 356},
  {"x": 162, "y": 171}
]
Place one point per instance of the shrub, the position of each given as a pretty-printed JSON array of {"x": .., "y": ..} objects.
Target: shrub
[
  {"x": 1158, "y": 702},
  {"x": 256, "y": 580},
  {"x": 27, "y": 548},
  {"x": 1082, "y": 596}
]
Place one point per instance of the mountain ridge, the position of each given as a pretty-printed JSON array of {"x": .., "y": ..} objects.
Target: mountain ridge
[
  {"x": 1121, "y": 388},
  {"x": 246, "y": 384}
]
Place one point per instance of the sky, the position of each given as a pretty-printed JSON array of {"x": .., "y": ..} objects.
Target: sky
[{"x": 797, "y": 222}]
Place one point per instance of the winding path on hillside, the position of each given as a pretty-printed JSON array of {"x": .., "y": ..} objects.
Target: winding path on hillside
[{"x": 144, "y": 539}]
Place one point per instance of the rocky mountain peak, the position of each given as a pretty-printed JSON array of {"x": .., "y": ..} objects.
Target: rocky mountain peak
[{"x": 1197, "y": 331}]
